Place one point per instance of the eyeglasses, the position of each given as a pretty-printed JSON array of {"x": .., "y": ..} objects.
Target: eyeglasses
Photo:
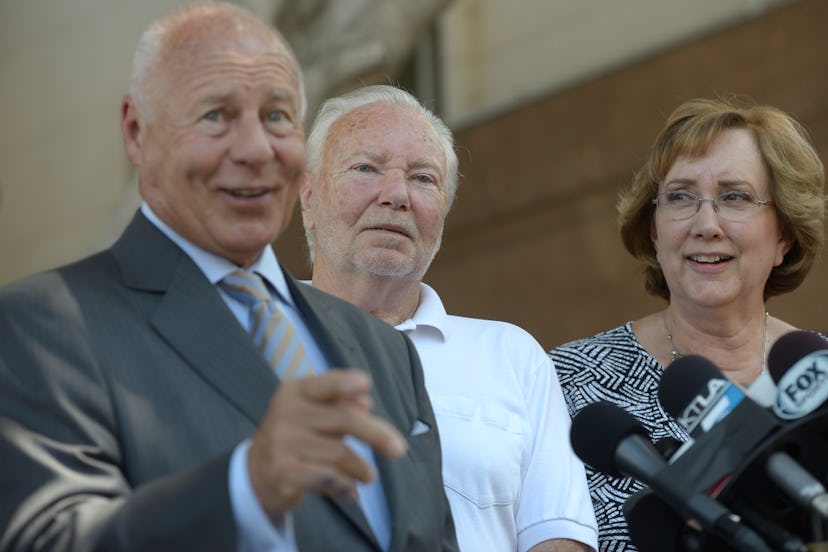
[{"x": 733, "y": 205}]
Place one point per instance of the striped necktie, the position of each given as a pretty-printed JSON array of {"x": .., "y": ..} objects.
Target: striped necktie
[{"x": 273, "y": 332}]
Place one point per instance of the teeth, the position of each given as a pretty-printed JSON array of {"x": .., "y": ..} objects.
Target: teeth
[
  {"x": 247, "y": 193},
  {"x": 708, "y": 258}
]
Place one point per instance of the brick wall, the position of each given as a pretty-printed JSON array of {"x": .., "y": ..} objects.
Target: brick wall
[{"x": 532, "y": 238}]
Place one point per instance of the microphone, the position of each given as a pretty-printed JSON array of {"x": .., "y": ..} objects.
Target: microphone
[
  {"x": 707, "y": 404},
  {"x": 778, "y": 536},
  {"x": 699, "y": 396},
  {"x": 622, "y": 447},
  {"x": 798, "y": 363},
  {"x": 718, "y": 407},
  {"x": 655, "y": 527},
  {"x": 667, "y": 446},
  {"x": 797, "y": 483}
]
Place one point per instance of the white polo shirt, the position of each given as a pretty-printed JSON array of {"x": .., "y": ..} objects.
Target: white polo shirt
[{"x": 510, "y": 474}]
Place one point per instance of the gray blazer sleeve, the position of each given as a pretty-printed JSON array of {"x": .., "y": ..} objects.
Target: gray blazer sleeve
[{"x": 62, "y": 478}]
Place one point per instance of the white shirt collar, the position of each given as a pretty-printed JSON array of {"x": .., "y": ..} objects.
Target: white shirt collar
[
  {"x": 215, "y": 268},
  {"x": 431, "y": 313}
]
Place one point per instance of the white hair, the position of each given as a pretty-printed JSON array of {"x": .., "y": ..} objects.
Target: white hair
[{"x": 334, "y": 109}]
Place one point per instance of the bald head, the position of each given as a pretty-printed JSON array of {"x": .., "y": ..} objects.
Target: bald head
[
  {"x": 214, "y": 127},
  {"x": 176, "y": 39}
]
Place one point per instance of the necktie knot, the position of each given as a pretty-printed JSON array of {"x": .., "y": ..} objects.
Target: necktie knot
[
  {"x": 273, "y": 333},
  {"x": 245, "y": 287}
]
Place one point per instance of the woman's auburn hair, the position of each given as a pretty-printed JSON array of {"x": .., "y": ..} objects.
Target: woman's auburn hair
[{"x": 796, "y": 181}]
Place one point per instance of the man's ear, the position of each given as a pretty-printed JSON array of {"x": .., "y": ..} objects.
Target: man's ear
[
  {"x": 305, "y": 193},
  {"x": 132, "y": 128}
]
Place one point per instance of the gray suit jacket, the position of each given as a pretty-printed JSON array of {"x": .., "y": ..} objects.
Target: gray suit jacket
[{"x": 125, "y": 383}]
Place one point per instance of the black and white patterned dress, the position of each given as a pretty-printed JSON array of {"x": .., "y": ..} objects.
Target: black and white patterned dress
[{"x": 613, "y": 366}]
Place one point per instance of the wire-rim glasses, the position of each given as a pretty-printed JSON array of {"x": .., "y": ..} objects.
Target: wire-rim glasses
[{"x": 733, "y": 205}]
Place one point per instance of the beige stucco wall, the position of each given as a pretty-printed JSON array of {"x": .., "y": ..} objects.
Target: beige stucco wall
[{"x": 64, "y": 179}]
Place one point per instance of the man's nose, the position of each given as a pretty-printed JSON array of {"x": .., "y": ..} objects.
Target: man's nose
[
  {"x": 394, "y": 190},
  {"x": 251, "y": 144}
]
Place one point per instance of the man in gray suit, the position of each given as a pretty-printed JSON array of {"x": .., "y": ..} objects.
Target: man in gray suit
[{"x": 136, "y": 411}]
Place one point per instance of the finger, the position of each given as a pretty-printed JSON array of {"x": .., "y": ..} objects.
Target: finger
[
  {"x": 334, "y": 487},
  {"x": 335, "y": 385},
  {"x": 298, "y": 420},
  {"x": 293, "y": 415},
  {"x": 382, "y": 437},
  {"x": 363, "y": 401},
  {"x": 343, "y": 386},
  {"x": 281, "y": 485},
  {"x": 304, "y": 432},
  {"x": 290, "y": 407},
  {"x": 353, "y": 467},
  {"x": 332, "y": 452},
  {"x": 347, "y": 419}
]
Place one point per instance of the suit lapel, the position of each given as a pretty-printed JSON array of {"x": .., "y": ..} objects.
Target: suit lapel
[
  {"x": 338, "y": 342},
  {"x": 192, "y": 318},
  {"x": 334, "y": 335}
]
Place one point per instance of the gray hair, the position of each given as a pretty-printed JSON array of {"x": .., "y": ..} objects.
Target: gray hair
[
  {"x": 151, "y": 45},
  {"x": 334, "y": 109}
]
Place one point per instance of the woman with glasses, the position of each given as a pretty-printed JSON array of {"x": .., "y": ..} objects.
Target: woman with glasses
[{"x": 726, "y": 212}]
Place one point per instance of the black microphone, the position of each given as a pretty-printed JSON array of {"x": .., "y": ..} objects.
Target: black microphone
[
  {"x": 705, "y": 403},
  {"x": 742, "y": 426},
  {"x": 655, "y": 527},
  {"x": 610, "y": 440},
  {"x": 778, "y": 536},
  {"x": 798, "y": 363},
  {"x": 613, "y": 442},
  {"x": 667, "y": 446},
  {"x": 696, "y": 393}
]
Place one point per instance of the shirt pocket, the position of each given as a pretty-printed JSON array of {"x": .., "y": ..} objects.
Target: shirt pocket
[{"x": 482, "y": 446}]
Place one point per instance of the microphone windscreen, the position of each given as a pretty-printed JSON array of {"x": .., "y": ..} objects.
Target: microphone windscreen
[
  {"x": 652, "y": 524},
  {"x": 790, "y": 348},
  {"x": 683, "y": 380},
  {"x": 596, "y": 432}
]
